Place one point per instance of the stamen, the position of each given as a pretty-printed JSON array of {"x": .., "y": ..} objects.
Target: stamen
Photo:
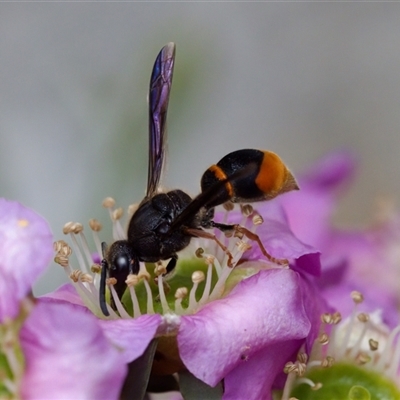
[
  {"x": 197, "y": 277},
  {"x": 386, "y": 356},
  {"x": 145, "y": 276},
  {"x": 373, "y": 344},
  {"x": 357, "y": 299},
  {"x": 364, "y": 318},
  {"x": 71, "y": 227},
  {"x": 246, "y": 209},
  {"x": 207, "y": 287},
  {"x": 121, "y": 310},
  {"x": 131, "y": 282},
  {"x": 180, "y": 294},
  {"x": 96, "y": 227},
  {"x": 395, "y": 362},
  {"x": 118, "y": 232},
  {"x": 314, "y": 386},
  {"x": 323, "y": 338},
  {"x": 161, "y": 292}
]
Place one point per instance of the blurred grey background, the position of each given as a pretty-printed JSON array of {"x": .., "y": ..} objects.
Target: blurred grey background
[{"x": 300, "y": 79}]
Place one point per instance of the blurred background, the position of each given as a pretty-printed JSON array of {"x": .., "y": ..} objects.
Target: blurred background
[{"x": 300, "y": 79}]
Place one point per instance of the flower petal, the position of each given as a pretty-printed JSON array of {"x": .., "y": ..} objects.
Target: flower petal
[
  {"x": 66, "y": 293},
  {"x": 263, "y": 310},
  {"x": 25, "y": 251},
  {"x": 67, "y": 356},
  {"x": 131, "y": 335},
  {"x": 253, "y": 378}
]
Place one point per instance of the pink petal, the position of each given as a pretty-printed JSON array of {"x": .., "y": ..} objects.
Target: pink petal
[
  {"x": 67, "y": 356},
  {"x": 132, "y": 336},
  {"x": 66, "y": 293},
  {"x": 253, "y": 378},
  {"x": 264, "y": 310},
  {"x": 25, "y": 251}
]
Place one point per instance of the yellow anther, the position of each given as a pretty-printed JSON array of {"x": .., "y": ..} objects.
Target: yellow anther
[
  {"x": 95, "y": 268},
  {"x": 95, "y": 225},
  {"x": 132, "y": 280},
  {"x": 373, "y": 344},
  {"x": 198, "y": 276},
  {"x": 246, "y": 209},
  {"x": 257, "y": 219},
  {"x": 108, "y": 202},
  {"x": 357, "y": 297},
  {"x": 68, "y": 227},
  {"x": 117, "y": 213},
  {"x": 199, "y": 252},
  {"x": 181, "y": 293}
]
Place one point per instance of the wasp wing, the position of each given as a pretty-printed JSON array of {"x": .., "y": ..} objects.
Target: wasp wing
[{"x": 160, "y": 88}]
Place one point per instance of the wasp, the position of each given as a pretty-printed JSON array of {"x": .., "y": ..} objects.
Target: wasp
[{"x": 165, "y": 223}]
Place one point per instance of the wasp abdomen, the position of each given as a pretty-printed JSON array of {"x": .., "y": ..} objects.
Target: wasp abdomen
[{"x": 268, "y": 177}]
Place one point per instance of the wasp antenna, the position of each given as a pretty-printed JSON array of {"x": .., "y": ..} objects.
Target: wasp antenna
[{"x": 103, "y": 278}]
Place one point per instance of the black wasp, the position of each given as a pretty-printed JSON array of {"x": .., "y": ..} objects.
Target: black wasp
[{"x": 164, "y": 223}]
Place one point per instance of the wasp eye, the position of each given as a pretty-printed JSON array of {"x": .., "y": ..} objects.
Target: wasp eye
[{"x": 122, "y": 263}]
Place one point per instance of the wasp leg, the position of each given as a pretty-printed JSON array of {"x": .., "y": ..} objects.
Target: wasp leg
[
  {"x": 103, "y": 277},
  {"x": 241, "y": 231},
  {"x": 206, "y": 235}
]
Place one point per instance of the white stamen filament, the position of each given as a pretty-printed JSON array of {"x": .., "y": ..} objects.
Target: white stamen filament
[
  {"x": 357, "y": 346},
  {"x": 85, "y": 248},
  {"x": 288, "y": 385},
  {"x": 387, "y": 354},
  {"x": 343, "y": 347},
  {"x": 163, "y": 299},
  {"x": 135, "y": 302},
  {"x": 150, "y": 306},
  {"x": 207, "y": 287},
  {"x": 118, "y": 304},
  {"x": 78, "y": 253}
]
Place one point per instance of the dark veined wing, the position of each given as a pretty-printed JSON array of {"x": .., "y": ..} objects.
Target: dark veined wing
[{"x": 160, "y": 88}]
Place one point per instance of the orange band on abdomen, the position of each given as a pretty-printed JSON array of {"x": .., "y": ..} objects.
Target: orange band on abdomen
[{"x": 220, "y": 175}]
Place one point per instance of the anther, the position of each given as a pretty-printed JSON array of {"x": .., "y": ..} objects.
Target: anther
[
  {"x": 257, "y": 219},
  {"x": 117, "y": 213},
  {"x": 327, "y": 362},
  {"x": 75, "y": 275},
  {"x": 373, "y": 344},
  {"x": 62, "y": 261},
  {"x": 317, "y": 386},
  {"x": 68, "y": 227},
  {"x": 108, "y": 202},
  {"x": 323, "y": 338},
  {"x": 246, "y": 209},
  {"x": 229, "y": 206},
  {"x": 198, "y": 276},
  {"x": 326, "y": 318},
  {"x": 336, "y": 317},
  {"x": 86, "y": 278},
  {"x": 144, "y": 275},
  {"x": 77, "y": 227},
  {"x": 160, "y": 269},
  {"x": 181, "y": 293},
  {"x": 111, "y": 281},
  {"x": 199, "y": 252},
  {"x": 95, "y": 268},
  {"x": 363, "y": 358},
  {"x": 95, "y": 225},
  {"x": 357, "y": 297},
  {"x": 302, "y": 357},
  {"x": 62, "y": 248},
  {"x": 243, "y": 246},
  {"x": 132, "y": 280},
  {"x": 209, "y": 259},
  {"x": 363, "y": 317}
]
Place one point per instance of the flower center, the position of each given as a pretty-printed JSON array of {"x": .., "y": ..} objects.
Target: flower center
[
  {"x": 354, "y": 359},
  {"x": 204, "y": 272}
]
